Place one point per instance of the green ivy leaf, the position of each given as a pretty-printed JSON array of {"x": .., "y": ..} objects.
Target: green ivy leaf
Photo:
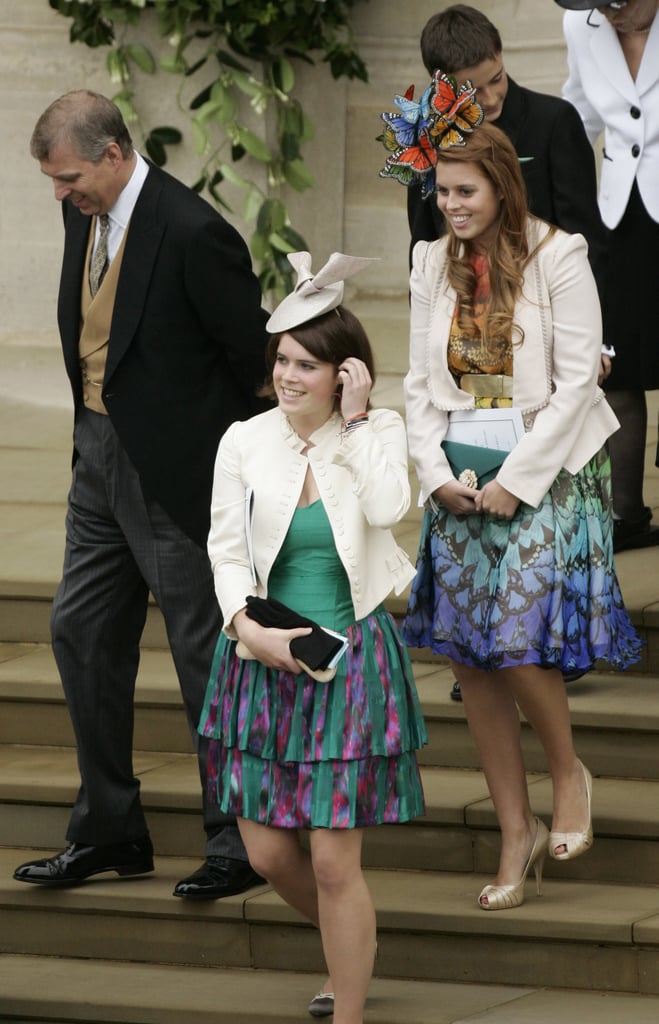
[
  {"x": 156, "y": 150},
  {"x": 227, "y": 61},
  {"x": 255, "y": 146},
  {"x": 283, "y": 74},
  {"x": 259, "y": 247},
  {"x": 227, "y": 106},
  {"x": 201, "y": 98},
  {"x": 141, "y": 56},
  {"x": 218, "y": 197},
  {"x": 290, "y": 146},
  {"x": 124, "y": 100},
  {"x": 206, "y": 112},
  {"x": 272, "y": 216},
  {"x": 248, "y": 85},
  {"x": 279, "y": 243},
  {"x": 200, "y": 138},
  {"x": 251, "y": 205},
  {"x": 294, "y": 238},
  {"x": 195, "y": 67},
  {"x": 166, "y": 135},
  {"x": 308, "y": 131},
  {"x": 298, "y": 175},
  {"x": 231, "y": 175},
  {"x": 173, "y": 63},
  {"x": 298, "y": 54}
]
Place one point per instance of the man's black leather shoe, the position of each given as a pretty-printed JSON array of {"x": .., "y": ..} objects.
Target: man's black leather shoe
[
  {"x": 639, "y": 533},
  {"x": 218, "y": 877},
  {"x": 73, "y": 865}
]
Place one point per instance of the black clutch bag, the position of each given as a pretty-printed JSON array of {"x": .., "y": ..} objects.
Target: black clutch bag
[{"x": 317, "y": 652}]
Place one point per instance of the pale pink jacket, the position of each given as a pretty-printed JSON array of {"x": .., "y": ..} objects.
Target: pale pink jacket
[{"x": 555, "y": 369}]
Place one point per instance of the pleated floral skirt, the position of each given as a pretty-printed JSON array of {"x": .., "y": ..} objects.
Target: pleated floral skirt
[
  {"x": 539, "y": 589},
  {"x": 290, "y": 752}
]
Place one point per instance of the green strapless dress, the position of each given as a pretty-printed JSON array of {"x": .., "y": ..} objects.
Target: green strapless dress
[{"x": 288, "y": 751}]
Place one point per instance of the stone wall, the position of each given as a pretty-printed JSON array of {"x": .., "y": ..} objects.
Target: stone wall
[{"x": 349, "y": 208}]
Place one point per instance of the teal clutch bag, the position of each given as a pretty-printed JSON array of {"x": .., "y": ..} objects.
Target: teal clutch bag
[{"x": 484, "y": 462}]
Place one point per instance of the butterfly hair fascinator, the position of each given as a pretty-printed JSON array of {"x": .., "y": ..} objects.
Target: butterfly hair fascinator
[{"x": 413, "y": 137}]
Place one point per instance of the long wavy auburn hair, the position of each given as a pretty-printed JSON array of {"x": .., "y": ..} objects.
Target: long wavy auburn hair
[{"x": 494, "y": 154}]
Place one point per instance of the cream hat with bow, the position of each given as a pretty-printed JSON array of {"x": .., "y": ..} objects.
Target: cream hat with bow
[{"x": 314, "y": 294}]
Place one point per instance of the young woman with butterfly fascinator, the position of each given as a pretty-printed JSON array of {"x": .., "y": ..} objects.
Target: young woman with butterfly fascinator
[{"x": 515, "y": 580}]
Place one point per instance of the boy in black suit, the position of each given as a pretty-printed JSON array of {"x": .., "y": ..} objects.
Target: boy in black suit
[{"x": 557, "y": 160}]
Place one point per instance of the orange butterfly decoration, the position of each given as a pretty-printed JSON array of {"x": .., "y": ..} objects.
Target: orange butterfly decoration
[{"x": 457, "y": 114}]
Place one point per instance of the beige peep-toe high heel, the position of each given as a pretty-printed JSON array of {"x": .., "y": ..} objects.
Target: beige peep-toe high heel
[
  {"x": 575, "y": 843},
  {"x": 505, "y": 897}
]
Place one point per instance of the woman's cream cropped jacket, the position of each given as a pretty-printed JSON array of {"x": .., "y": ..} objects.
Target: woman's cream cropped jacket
[
  {"x": 566, "y": 417},
  {"x": 362, "y": 478}
]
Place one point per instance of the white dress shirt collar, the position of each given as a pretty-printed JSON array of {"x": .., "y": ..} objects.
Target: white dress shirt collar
[{"x": 122, "y": 210}]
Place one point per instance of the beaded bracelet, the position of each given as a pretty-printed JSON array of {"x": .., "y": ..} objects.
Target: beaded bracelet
[{"x": 354, "y": 421}]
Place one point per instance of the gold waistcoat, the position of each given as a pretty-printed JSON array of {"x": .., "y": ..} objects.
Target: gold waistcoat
[{"x": 96, "y": 318}]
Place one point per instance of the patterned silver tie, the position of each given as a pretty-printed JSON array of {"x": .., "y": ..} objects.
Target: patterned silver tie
[{"x": 100, "y": 260}]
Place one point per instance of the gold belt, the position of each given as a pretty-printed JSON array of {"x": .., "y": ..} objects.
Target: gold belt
[{"x": 487, "y": 385}]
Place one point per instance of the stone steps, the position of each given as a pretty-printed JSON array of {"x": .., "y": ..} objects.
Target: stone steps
[
  {"x": 458, "y": 833},
  {"x": 125, "y": 950},
  {"x": 429, "y": 928},
  {"x": 621, "y": 707},
  {"x": 73, "y": 991}
]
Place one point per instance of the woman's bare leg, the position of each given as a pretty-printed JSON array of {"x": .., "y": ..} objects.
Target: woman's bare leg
[
  {"x": 541, "y": 695},
  {"x": 495, "y": 727},
  {"x": 347, "y": 918},
  {"x": 276, "y": 854}
]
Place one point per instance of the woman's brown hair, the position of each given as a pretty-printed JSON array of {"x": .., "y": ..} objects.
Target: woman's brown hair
[
  {"x": 494, "y": 154},
  {"x": 331, "y": 338}
]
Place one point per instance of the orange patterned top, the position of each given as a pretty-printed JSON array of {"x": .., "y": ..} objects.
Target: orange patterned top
[{"x": 466, "y": 352}]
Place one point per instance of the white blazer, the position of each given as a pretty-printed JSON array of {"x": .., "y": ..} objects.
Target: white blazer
[
  {"x": 362, "y": 478},
  {"x": 608, "y": 99},
  {"x": 566, "y": 417}
]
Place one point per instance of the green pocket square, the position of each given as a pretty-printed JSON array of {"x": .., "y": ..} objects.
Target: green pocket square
[{"x": 485, "y": 462}]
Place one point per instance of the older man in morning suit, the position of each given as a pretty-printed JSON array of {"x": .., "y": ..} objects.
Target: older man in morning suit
[{"x": 163, "y": 339}]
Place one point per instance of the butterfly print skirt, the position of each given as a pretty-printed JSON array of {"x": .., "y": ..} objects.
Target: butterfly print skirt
[{"x": 540, "y": 589}]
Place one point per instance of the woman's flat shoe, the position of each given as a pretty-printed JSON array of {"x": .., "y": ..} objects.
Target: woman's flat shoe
[
  {"x": 575, "y": 843},
  {"x": 322, "y": 1005},
  {"x": 506, "y": 897}
]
